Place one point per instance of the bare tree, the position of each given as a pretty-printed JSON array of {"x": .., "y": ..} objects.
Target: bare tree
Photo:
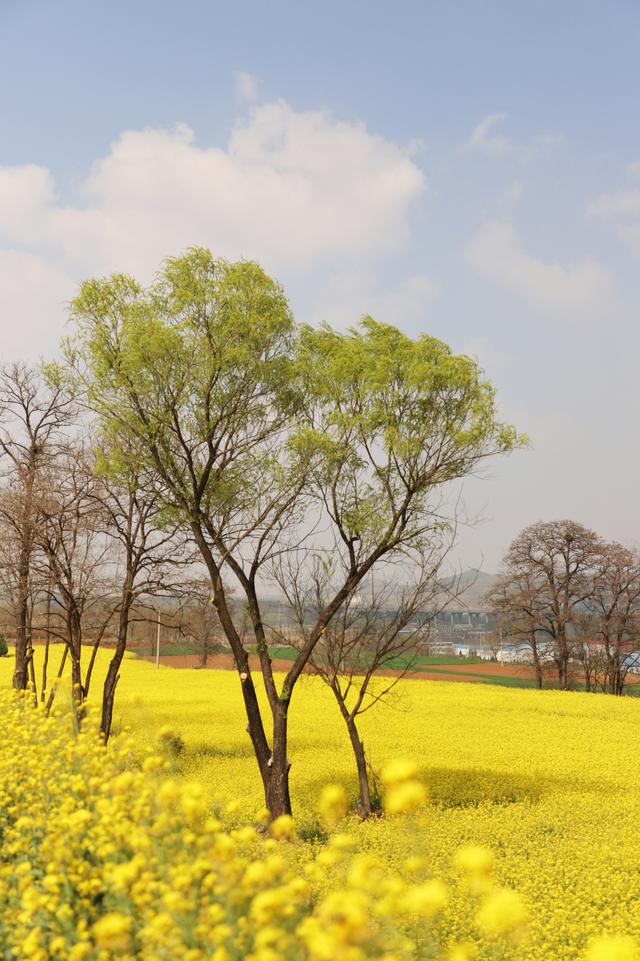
[
  {"x": 34, "y": 411},
  {"x": 16, "y": 594},
  {"x": 78, "y": 557},
  {"x": 372, "y": 641},
  {"x": 548, "y": 575},
  {"x": 613, "y": 612},
  {"x": 518, "y": 601},
  {"x": 146, "y": 548},
  {"x": 198, "y": 617}
]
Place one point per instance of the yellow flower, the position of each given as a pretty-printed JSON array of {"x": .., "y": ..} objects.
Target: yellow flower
[
  {"x": 332, "y": 804},
  {"x": 405, "y": 797},
  {"x": 502, "y": 913},
  {"x": 112, "y": 931},
  {"x": 464, "y": 951},
  {"x": 427, "y": 899},
  {"x": 283, "y": 828},
  {"x": 612, "y": 947},
  {"x": 398, "y": 771},
  {"x": 474, "y": 861}
]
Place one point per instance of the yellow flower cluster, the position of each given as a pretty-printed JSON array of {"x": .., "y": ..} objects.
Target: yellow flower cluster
[
  {"x": 103, "y": 856},
  {"x": 537, "y": 792}
]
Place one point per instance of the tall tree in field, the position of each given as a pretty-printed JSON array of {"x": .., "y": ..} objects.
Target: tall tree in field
[
  {"x": 547, "y": 577},
  {"x": 34, "y": 411},
  {"x": 257, "y": 430}
]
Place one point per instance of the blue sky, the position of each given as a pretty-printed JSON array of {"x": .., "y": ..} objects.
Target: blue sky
[{"x": 468, "y": 169}]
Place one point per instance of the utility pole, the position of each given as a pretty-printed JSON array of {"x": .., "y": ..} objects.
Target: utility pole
[{"x": 158, "y": 643}]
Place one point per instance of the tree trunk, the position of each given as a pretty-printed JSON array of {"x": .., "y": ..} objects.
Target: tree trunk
[
  {"x": 276, "y": 776},
  {"x": 563, "y": 672},
  {"x": 47, "y": 644},
  {"x": 113, "y": 673},
  {"x": 74, "y": 628},
  {"x": 52, "y": 693},
  {"x": 537, "y": 666},
  {"x": 364, "y": 803},
  {"x": 21, "y": 672}
]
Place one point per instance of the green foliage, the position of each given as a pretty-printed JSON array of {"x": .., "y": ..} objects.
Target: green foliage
[
  {"x": 394, "y": 418},
  {"x": 4, "y": 650},
  {"x": 205, "y": 380},
  {"x": 192, "y": 377}
]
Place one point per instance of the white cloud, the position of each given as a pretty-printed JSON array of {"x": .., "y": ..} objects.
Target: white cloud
[
  {"x": 26, "y": 193},
  {"x": 630, "y": 235},
  {"x": 495, "y": 252},
  {"x": 33, "y": 294},
  {"x": 246, "y": 86},
  {"x": 295, "y": 190},
  {"x": 512, "y": 194},
  {"x": 624, "y": 203},
  {"x": 349, "y": 294},
  {"x": 622, "y": 209},
  {"x": 483, "y": 140}
]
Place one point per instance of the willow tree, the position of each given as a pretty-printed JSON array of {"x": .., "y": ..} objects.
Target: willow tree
[{"x": 260, "y": 432}]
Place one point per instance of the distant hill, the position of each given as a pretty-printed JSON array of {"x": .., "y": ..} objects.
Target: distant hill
[{"x": 470, "y": 588}]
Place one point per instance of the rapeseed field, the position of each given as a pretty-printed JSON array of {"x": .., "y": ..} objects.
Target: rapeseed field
[{"x": 528, "y": 845}]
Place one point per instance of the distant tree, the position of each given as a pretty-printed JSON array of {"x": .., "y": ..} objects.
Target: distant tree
[
  {"x": 258, "y": 431},
  {"x": 547, "y": 577},
  {"x": 199, "y": 619},
  {"x": 34, "y": 412},
  {"x": 613, "y": 612},
  {"x": 518, "y": 603}
]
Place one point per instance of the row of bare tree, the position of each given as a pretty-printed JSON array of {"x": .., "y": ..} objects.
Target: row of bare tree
[
  {"x": 573, "y": 600},
  {"x": 81, "y": 551}
]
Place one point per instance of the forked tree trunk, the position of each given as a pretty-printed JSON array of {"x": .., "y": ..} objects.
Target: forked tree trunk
[{"x": 364, "y": 801}]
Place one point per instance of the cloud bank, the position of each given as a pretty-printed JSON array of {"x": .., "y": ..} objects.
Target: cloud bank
[{"x": 299, "y": 191}]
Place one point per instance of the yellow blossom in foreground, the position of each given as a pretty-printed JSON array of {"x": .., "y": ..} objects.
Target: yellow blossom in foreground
[
  {"x": 612, "y": 947},
  {"x": 502, "y": 913},
  {"x": 112, "y": 932},
  {"x": 332, "y": 804},
  {"x": 405, "y": 797},
  {"x": 426, "y": 900}
]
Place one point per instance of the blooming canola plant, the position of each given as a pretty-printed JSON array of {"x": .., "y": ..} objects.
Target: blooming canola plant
[{"x": 509, "y": 829}]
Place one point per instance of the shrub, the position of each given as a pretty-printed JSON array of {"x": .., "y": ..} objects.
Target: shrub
[{"x": 4, "y": 649}]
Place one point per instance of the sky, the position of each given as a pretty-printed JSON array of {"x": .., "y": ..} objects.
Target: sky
[{"x": 470, "y": 170}]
